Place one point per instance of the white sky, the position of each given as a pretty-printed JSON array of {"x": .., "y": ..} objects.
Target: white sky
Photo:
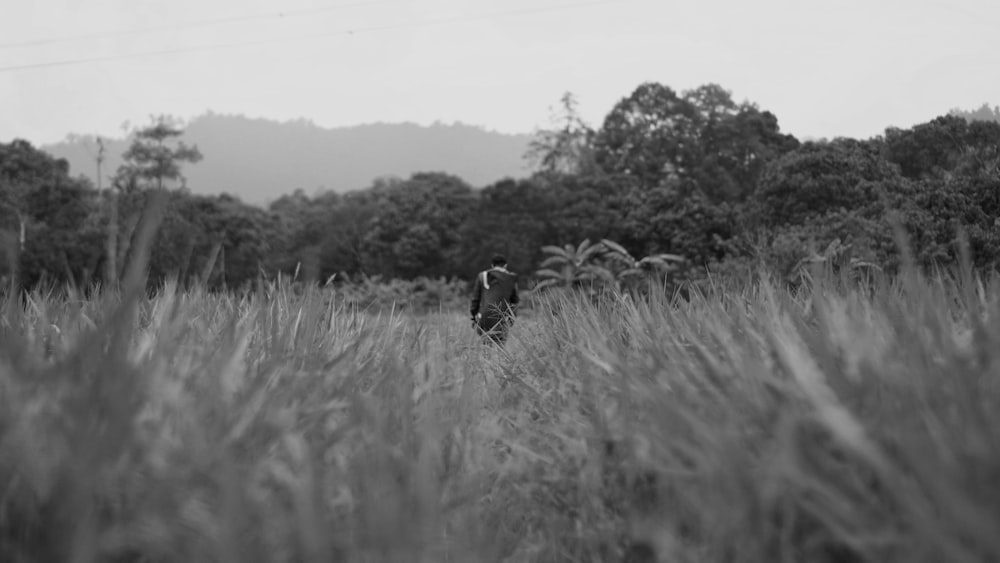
[{"x": 836, "y": 67}]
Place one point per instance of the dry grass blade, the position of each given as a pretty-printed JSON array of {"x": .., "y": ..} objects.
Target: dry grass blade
[{"x": 743, "y": 424}]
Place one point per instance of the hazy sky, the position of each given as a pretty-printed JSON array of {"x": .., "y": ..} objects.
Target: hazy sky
[{"x": 836, "y": 67}]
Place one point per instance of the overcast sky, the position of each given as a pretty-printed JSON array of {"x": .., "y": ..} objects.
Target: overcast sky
[{"x": 830, "y": 68}]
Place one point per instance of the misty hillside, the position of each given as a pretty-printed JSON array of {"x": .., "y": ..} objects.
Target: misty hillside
[{"x": 259, "y": 159}]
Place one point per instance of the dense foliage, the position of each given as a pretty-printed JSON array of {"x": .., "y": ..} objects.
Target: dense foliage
[{"x": 693, "y": 174}]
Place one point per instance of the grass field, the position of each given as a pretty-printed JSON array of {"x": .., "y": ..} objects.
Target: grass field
[{"x": 758, "y": 424}]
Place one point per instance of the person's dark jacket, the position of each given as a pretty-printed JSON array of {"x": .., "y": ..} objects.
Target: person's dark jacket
[{"x": 494, "y": 297}]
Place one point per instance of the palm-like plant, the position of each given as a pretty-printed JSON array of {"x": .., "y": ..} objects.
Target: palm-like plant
[
  {"x": 568, "y": 265},
  {"x": 605, "y": 262},
  {"x": 629, "y": 267}
]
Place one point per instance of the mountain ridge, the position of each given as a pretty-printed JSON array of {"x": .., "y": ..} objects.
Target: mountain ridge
[{"x": 260, "y": 159}]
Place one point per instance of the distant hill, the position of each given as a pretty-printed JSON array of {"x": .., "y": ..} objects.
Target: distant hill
[{"x": 259, "y": 160}]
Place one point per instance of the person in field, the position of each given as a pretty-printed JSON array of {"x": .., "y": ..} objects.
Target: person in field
[{"x": 494, "y": 301}]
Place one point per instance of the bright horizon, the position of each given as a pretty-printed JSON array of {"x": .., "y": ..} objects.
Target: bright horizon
[{"x": 844, "y": 68}]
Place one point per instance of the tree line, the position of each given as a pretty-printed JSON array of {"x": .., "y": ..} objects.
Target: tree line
[{"x": 693, "y": 174}]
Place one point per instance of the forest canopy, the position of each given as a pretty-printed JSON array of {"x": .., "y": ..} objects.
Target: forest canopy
[{"x": 693, "y": 174}]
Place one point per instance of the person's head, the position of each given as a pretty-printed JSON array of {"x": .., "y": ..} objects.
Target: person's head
[{"x": 499, "y": 260}]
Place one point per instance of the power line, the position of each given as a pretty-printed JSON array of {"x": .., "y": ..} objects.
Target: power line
[
  {"x": 190, "y": 24},
  {"x": 351, "y": 31}
]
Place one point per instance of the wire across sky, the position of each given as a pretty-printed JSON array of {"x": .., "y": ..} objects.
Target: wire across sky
[{"x": 265, "y": 41}]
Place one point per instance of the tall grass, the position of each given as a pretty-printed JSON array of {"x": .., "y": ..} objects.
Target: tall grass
[{"x": 753, "y": 424}]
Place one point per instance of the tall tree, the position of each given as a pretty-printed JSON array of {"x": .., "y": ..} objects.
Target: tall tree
[
  {"x": 944, "y": 147},
  {"x": 154, "y": 158},
  {"x": 940, "y": 207},
  {"x": 567, "y": 147},
  {"x": 156, "y": 155},
  {"x": 735, "y": 142},
  {"x": 304, "y": 223},
  {"x": 47, "y": 211},
  {"x": 416, "y": 229},
  {"x": 345, "y": 226},
  {"x": 512, "y": 217},
  {"x": 217, "y": 240},
  {"x": 659, "y": 137},
  {"x": 22, "y": 167},
  {"x": 677, "y": 218},
  {"x": 818, "y": 178},
  {"x": 647, "y": 135}
]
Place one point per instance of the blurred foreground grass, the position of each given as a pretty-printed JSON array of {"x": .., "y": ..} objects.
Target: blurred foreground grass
[{"x": 826, "y": 424}]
